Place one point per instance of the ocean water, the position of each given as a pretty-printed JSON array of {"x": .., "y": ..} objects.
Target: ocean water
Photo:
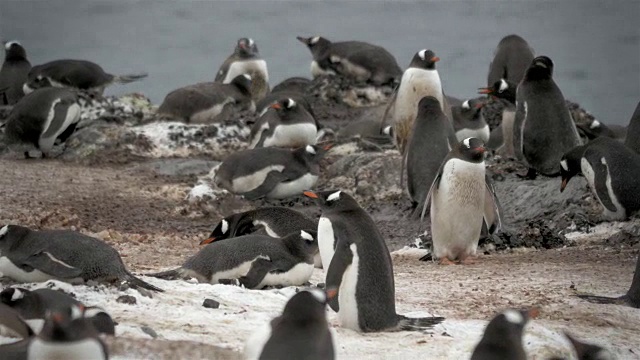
[{"x": 595, "y": 45}]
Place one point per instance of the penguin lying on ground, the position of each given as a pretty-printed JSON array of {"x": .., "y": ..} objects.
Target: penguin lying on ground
[
  {"x": 511, "y": 60},
  {"x": 462, "y": 200},
  {"x": 612, "y": 171},
  {"x": 359, "y": 265},
  {"x": 631, "y": 298},
  {"x": 302, "y": 331},
  {"x": 501, "y": 138},
  {"x": 37, "y": 256},
  {"x": 503, "y": 335},
  {"x": 246, "y": 60},
  {"x": 632, "y": 140},
  {"x": 597, "y": 129},
  {"x": 77, "y": 74},
  {"x": 255, "y": 261},
  {"x": 286, "y": 124},
  {"x": 469, "y": 122},
  {"x": 271, "y": 172},
  {"x": 14, "y": 73},
  {"x": 41, "y": 118}
]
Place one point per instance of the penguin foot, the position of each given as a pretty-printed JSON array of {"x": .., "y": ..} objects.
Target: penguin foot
[
  {"x": 234, "y": 282},
  {"x": 530, "y": 175},
  {"x": 468, "y": 261},
  {"x": 446, "y": 261}
]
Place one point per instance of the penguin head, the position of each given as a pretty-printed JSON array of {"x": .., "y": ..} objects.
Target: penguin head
[
  {"x": 242, "y": 82},
  {"x": 9, "y": 234},
  {"x": 67, "y": 323},
  {"x": 570, "y": 165},
  {"x": 13, "y": 294},
  {"x": 469, "y": 110},
  {"x": 312, "y": 153},
  {"x": 429, "y": 103},
  {"x": 35, "y": 80},
  {"x": 472, "y": 150},
  {"x": 285, "y": 105},
  {"x": 314, "y": 43},
  {"x": 246, "y": 48},
  {"x": 13, "y": 51},
  {"x": 424, "y": 59},
  {"x": 332, "y": 199},
  {"x": 231, "y": 226},
  {"x": 308, "y": 305},
  {"x": 589, "y": 351},
  {"x": 501, "y": 89},
  {"x": 508, "y": 325},
  {"x": 541, "y": 68}
]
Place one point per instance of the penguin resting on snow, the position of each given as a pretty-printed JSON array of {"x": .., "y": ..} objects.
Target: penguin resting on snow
[{"x": 503, "y": 335}]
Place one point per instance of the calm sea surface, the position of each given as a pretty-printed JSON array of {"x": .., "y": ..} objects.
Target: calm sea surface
[{"x": 595, "y": 44}]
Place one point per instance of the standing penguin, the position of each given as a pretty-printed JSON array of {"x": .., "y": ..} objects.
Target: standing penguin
[
  {"x": 287, "y": 124},
  {"x": 510, "y": 60},
  {"x": 462, "y": 199},
  {"x": 246, "y": 60},
  {"x": 612, "y": 171},
  {"x": 632, "y": 141},
  {"x": 360, "y": 268},
  {"x": 419, "y": 80},
  {"x": 273, "y": 173},
  {"x": 357, "y": 60},
  {"x": 14, "y": 72},
  {"x": 40, "y": 118},
  {"x": 501, "y": 138},
  {"x": 544, "y": 129},
  {"x": 469, "y": 122},
  {"x": 302, "y": 331},
  {"x": 431, "y": 139},
  {"x": 502, "y": 337}
]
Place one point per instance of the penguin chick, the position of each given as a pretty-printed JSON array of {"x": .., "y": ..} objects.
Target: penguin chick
[
  {"x": 287, "y": 124},
  {"x": 502, "y": 337},
  {"x": 246, "y": 60},
  {"x": 511, "y": 59},
  {"x": 14, "y": 72},
  {"x": 469, "y": 122}
]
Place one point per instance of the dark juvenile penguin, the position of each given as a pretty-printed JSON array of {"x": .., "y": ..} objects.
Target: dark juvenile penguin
[
  {"x": 246, "y": 60},
  {"x": 469, "y": 122},
  {"x": 206, "y": 102},
  {"x": 357, "y": 60},
  {"x": 37, "y": 256},
  {"x": 33, "y": 305},
  {"x": 77, "y": 74},
  {"x": 285, "y": 124},
  {"x": 612, "y": 171},
  {"x": 586, "y": 351},
  {"x": 501, "y": 138},
  {"x": 462, "y": 200},
  {"x": 254, "y": 261},
  {"x": 359, "y": 266},
  {"x": 544, "y": 129},
  {"x": 40, "y": 118},
  {"x": 510, "y": 60},
  {"x": 12, "y": 324},
  {"x": 431, "y": 139},
  {"x": 273, "y": 173},
  {"x": 502, "y": 337},
  {"x": 302, "y": 330},
  {"x": 632, "y": 140},
  {"x": 14, "y": 73}
]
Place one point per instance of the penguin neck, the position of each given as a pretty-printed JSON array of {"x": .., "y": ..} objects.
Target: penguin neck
[
  {"x": 537, "y": 74},
  {"x": 298, "y": 247},
  {"x": 15, "y": 57}
]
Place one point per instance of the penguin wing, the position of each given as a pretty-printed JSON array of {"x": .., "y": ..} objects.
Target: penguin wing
[
  {"x": 272, "y": 179},
  {"x": 492, "y": 208},
  {"x": 434, "y": 185},
  {"x": 224, "y": 69},
  {"x": 342, "y": 258},
  {"x": 259, "y": 269},
  {"x": 600, "y": 172},
  {"x": 11, "y": 319},
  {"x": 49, "y": 264}
]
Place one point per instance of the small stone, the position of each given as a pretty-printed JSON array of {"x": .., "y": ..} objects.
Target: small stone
[
  {"x": 210, "y": 304},
  {"x": 145, "y": 292},
  {"x": 321, "y": 285},
  {"x": 127, "y": 299},
  {"x": 123, "y": 287},
  {"x": 149, "y": 331}
]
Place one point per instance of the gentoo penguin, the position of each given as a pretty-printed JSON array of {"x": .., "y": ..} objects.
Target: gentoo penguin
[
  {"x": 273, "y": 173},
  {"x": 301, "y": 331},
  {"x": 462, "y": 200},
  {"x": 544, "y": 129},
  {"x": 586, "y": 351},
  {"x": 511, "y": 59},
  {"x": 37, "y": 256},
  {"x": 33, "y": 305},
  {"x": 612, "y": 171},
  {"x": 597, "y": 129},
  {"x": 77, "y": 74},
  {"x": 40, "y": 118},
  {"x": 286, "y": 124},
  {"x": 501, "y": 138},
  {"x": 357, "y": 60},
  {"x": 246, "y": 60},
  {"x": 12, "y": 324},
  {"x": 359, "y": 265},
  {"x": 419, "y": 80},
  {"x": 66, "y": 334},
  {"x": 469, "y": 122},
  {"x": 14, "y": 72},
  {"x": 632, "y": 140},
  {"x": 431, "y": 140},
  {"x": 273, "y": 97},
  {"x": 205, "y": 102},
  {"x": 502, "y": 337},
  {"x": 255, "y": 261}
]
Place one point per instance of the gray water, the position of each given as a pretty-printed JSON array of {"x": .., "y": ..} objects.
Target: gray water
[{"x": 595, "y": 45}]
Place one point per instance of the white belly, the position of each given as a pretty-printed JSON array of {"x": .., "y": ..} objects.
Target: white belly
[
  {"x": 8, "y": 269},
  {"x": 247, "y": 67},
  {"x": 235, "y": 273},
  {"x": 294, "y": 135},
  {"x": 589, "y": 174},
  {"x": 416, "y": 84},
  {"x": 293, "y": 188},
  {"x": 482, "y": 134},
  {"x": 296, "y": 276},
  {"x": 348, "y": 313},
  {"x": 72, "y": 116},
  {"x": 316, "y": 70},
  {"x": 256, "y": 342},
  {"x": 87, "y": 349},
  {"x": 35, "y": 324},
  {"x": 249, "y": 182},
  {"x": 208, "y": 115},
  {"x": 326, "y": 241}
]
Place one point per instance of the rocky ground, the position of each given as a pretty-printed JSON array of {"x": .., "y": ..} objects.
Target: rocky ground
[{"x": 144, "y": 187}]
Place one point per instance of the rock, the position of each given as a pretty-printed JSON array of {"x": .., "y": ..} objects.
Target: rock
[
  {"x": 210, "y": 304},
  {"x": 149, "y": 331},
  {"x": 127, "y": 299}
]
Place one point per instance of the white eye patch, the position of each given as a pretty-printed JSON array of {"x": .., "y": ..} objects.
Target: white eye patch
[
  {"x": 503, "y": 85},
  {"x": 290, "y": 103},
  {"x": 465, "y": 105},
  {"x": 8, "y": 45},
  {"x": 319, "y": 295},
  {"x": 564, "y": 165},
  {"x": 305, "y": 235},
  {"x": 250, "y": 42},
  {"x": 225, "y": 226},
  {"x": 314, "y": 40},
  {"x": 310, "y": 149},
  {"x": 334, "y": 196},
  {"x": 422, "y": 53},
  {"x": 17, "y": 295},
  {"x": 514, "y": 317},
  {"x": 466, "y": 143},
  {"x": 594, "y": 124},
  {"x": 4, "y": 230},
  {"x": 247, "y": 76}
]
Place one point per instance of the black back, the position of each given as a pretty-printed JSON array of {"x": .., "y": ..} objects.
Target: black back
[
  {"x": 632, "y": 141},
  {"x": 502, "y": 338},
  {"x": 511, "y": 59}
]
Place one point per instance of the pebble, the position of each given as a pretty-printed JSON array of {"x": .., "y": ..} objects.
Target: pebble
[
  {"x": 149, "y": 331},
  {"x": 127, "y": 299},
  {"x": 210, "y": 304}
]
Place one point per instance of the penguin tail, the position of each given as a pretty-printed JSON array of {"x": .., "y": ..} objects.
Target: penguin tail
[
  {"x": 418, "y": 324},
  {"x": 167, "y": 275},
  {"x": 136, "y": 282},
  {"x": 125, "y": 79},
  {"x": 601, "y": 299}
]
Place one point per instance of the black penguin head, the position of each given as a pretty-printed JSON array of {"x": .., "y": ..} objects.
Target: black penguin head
[
  {"x": 570, "y": 165},
  {"x": 284, "y": 106},
  {"x": 308, "y": 305},
  {"x": 312, "y": 153},
  {"x": 235, "y": 225},
  {"x": 508, "y": 325},
  {"x": 243, "y": 82},
  {"x": 429, "y": 104},
  {"x": 9, "y": 234},
  {"x": 14, "y": 51},
  {"x": 424, "y": 59},
  {"x": 469, "y": 110},
  {"x": 12, "y": 295},
  {"x": 586, "y": 351},
  {"x": 471, "y": 149},
  {"x": 332, "y": 199},
  {"x": 246, "y": 48},
  {"x": 541, "y": 68},
  {"x": 315, "y": 43},
  {"x": 35, "y": 80},
  {"x": 501, "y": 89},
  {"x": 67, "y": 323}
]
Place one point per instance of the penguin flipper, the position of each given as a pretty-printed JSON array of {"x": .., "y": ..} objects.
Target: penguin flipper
[
  {"x": 434, "y": 185},
  {"x": 342, "y": 258},
  {"x": 224, "y": 69},
  {"x": 259, "y": 269},
  {"x": 11, "y": 319},
  {"x": 49, "y": 264},
  {"x": 270, "y": 181},
  {"x": 492, "y": 209}
]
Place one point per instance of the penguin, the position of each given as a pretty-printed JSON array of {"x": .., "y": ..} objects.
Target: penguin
[
  {"x": 632, "y": 140},
  {"x": 246, "y": 60},
  {"x": 511, "y": 59},
  {"x": 502, "y": 338},
  {"x": 76, "y": 74},
  {"x": 66, "y": 334},
  {"x": 273, "y": 173},
  {"x": 253, "y": 261},
  {"x": 14, "y": 72},
  {"x": 40, "y": 118},
  {"x": 264, "y": 104},
  {"x": 431, "y": 140},
  {"x": 33, "y": 305},
  {"x": 12, "y": 324},
  {"x": 287, "y": 124},
  {"x": 462, "y": 200},
  {"x": 357, "y": 60},
  {"x": 359, "y": 266},
  {"x": 469, "y": 122},
  {"x": 37, "y": 256},
  {"x": 631, "y": 298},
  {"x": 296, "y": 84},
  {"x": 611, "y": 169},
  {"x": 419, "y": 80},
  {"x": 205, "y": 102},
  {"x": 302, "y": 330},
  {"x": 586, "y": 351},
  {"x": 501, "y": 138},
  {"x": 544, "y": 129},
  {"x": 597, "y": 129}
]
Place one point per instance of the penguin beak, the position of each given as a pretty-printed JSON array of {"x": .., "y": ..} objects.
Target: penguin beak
[
  {"x": 57, "y": 318},
  {"x": 480, "y": 149},
  {"x": 327, "y": 147},
  {"x": 207, "y": 241},
  {"x": 303, "y": 40},
  {"x": 331, "y": 293},
  {"x": 480, "y": 105},
  {"x": 533, "y": 313},
  {"x": 487, "y": 91},
  {"x": 310, "y": 194},
  {"x": 565, "y": 180},
  {"x": 276, "y": 106},
  {"x": 435, "y": 59}
]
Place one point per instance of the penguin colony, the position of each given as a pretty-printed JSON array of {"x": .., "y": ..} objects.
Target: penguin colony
[{"x": 443, "y": 143}]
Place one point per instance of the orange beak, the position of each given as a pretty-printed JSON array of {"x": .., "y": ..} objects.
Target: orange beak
[
  {"x": 331, "y": 293},
  {"x": 276, "y": 106},
  {"x": 485, "y": 91},
  {"x": 435, "y": 59},
  {"x": 563, "y": 185},
  {"x": 310, "y": 194},
  {"x": 480, "y": 105},
  {"x": 534, "y": 312},
  {"x": 57, "y": 318},
  {"x": 207, "y": 241},
  {"x": 327, "y": 147}
]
